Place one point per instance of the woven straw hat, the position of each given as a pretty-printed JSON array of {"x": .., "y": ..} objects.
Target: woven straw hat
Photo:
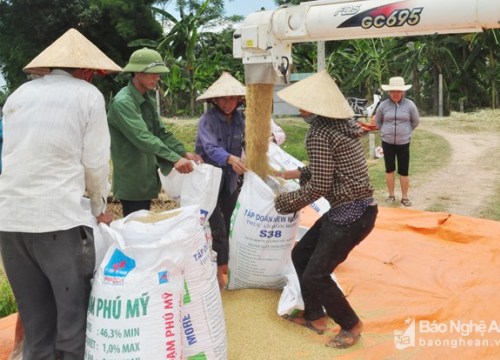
[
  {"x": 226, "y": 85},
  {"x": 396, "y": 83},
  {"x": 318, "y": 94},
  {"x": 71, "y": 50}
]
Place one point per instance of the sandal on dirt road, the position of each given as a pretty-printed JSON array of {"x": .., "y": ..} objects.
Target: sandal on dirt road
[{"x": 406, "y": 202}]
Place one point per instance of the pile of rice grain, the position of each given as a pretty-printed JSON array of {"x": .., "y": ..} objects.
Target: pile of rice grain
[{"x": 256, "y": 331}]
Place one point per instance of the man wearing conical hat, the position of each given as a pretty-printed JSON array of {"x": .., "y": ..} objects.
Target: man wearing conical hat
[
  {"x": 338, "y": 172},
  {"x": 140, "y": 144},
  {"x": 56, "y": 148},
  {"x": 221, "y": 133}
]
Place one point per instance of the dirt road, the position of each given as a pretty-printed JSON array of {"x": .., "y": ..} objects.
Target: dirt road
[{"x": 464, "y": 185}]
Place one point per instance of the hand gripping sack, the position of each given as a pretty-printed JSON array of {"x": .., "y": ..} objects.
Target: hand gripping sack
[
  {"x": 101, "y": 243},
  {"x": 200, "y": 187},
  {"x": 260, "y": 239}
]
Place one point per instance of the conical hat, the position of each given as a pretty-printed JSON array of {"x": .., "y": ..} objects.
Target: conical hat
[
  {"x": 318, "y": 94},
  {"x": 71, "y": 50},
  {"x": 226, "y": 85}
]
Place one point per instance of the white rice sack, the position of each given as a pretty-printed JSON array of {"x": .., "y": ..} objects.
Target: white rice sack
[
  {"x": 101, "y": 243},
  {"x": 280, "y": 160},
  {"x": 291, "y": 301},
  {"x": 260, "y": 239},
  {"x": 135, "y": 306},
  {"x": 291, "y": 297},
  {"x": 202, "y": 318},
  {"x": 172, "y": 185},
  {"x": 204, "y": 330},
  {"x": 200, "y": 187}
]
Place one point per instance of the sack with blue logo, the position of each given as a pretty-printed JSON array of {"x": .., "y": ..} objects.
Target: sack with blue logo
[
  {"x": 135, "y": 304},
  {"x": 171, "y": 249}
]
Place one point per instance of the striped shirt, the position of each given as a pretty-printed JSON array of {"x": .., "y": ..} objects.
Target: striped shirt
[{"x": 337, "y": 167}]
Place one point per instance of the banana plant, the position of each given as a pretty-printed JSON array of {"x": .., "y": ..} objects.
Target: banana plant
[{"x": 180, "y": 48}]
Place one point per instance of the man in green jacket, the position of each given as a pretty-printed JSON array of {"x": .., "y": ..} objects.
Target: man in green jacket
[{"x": 140, "y": 144}]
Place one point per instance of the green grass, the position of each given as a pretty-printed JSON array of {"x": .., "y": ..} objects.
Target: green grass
[
  {"x": 7, "y": 302},
  {"x": 295, "y": 130},
  {"x": 491, "y": 209},
  {"x": 483, "y": 120},
  {"x": 184, "y": 130}
]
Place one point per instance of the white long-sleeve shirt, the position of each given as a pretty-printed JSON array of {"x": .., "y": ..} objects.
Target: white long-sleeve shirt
[{"x": 56, "y": 146}]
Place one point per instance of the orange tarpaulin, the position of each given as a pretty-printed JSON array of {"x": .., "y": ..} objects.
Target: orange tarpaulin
[
  {"x": 7, "y": 335},
  {"x": 426, "y": 286},
  {"x": 437, "y": 272}
]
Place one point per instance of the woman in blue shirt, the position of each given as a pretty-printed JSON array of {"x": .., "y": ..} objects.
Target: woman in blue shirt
[{"x": 220, "y": 139}]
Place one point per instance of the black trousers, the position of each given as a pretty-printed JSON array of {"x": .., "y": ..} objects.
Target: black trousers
[
  {"x": 130, "y": 206},
  {"x": 401, "y": 153},
  {"x": 316, "y": 256},
  {"x": 220, "y": 222}
]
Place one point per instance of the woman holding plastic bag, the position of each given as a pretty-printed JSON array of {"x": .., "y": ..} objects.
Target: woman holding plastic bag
[
  {"x": 337, "y": 171},
  {"x": 221, "y": 133}
]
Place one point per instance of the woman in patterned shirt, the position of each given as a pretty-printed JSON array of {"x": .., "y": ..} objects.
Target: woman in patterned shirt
[{"x": 338, "y": 172}]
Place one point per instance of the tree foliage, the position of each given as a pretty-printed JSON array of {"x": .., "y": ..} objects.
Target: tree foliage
[
  {"x": 27, "y": 27},
  {"x": 467, "y": 64},
  {"x": 197, "y": 47}
]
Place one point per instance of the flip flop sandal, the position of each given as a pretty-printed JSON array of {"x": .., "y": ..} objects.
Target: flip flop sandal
[
  {"x": 390, "y": 198},
  {"x": 406, "y": 202},
  {"x": 306, "y": 323},
  {"x": 343, "y": 340}
]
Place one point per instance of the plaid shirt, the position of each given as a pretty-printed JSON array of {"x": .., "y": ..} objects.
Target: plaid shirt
[{"x": 337, "y": 167}]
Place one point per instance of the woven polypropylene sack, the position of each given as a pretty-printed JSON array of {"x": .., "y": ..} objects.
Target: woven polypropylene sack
[{"x": 260, "y": 238}]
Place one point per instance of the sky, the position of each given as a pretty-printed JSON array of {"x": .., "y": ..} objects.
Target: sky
[
  {"x": 237, "y": 7},
  {"x": 245, "y": 7}
]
